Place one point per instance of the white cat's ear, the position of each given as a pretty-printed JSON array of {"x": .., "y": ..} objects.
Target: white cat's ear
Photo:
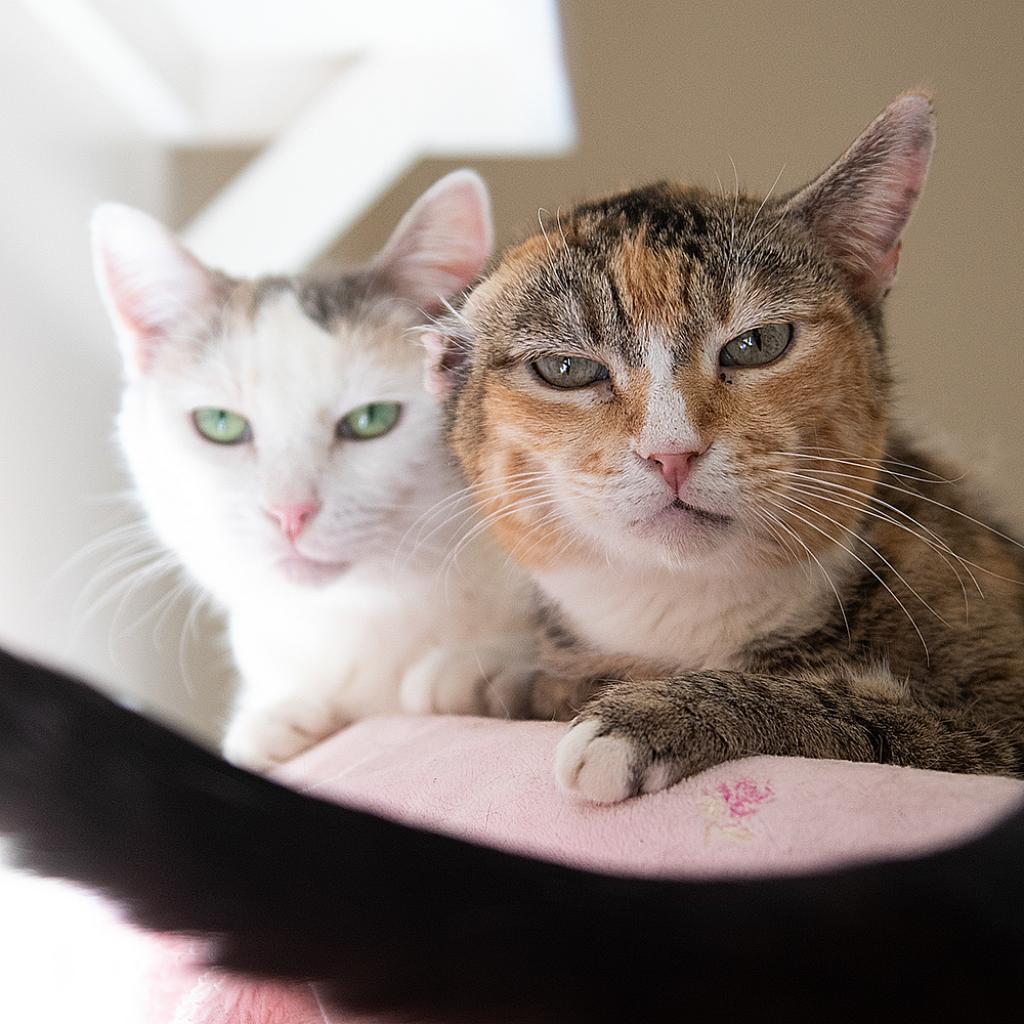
[
  {"x": 443, "y": 358},
  {"x": 442, "y": 243},
  {"x": 860, "y": 206},
  {"x": 153, "y": 287}
]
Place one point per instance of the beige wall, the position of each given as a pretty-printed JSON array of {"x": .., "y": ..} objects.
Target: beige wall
[{"x": 662, "y": 89}]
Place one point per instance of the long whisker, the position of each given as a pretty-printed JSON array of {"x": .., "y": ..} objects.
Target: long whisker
[
  {"x": 868, "y": 464},
  {"x": 135, "y": 533},
  {"x": 187, "y": 632},
  {"x": 468, "y": 496},
  {"x": 856, "y": 492},
  {"x": 488, "y": 521},
  {"x": 871, "y": 462},
  {"x": 142, "y": 576},
  {"x": 735, "y": 208},
  {"x": 472, "y": 491},
  {"x": 167, "y": 605},
  {"x": 817, "y": 562},
  {"x": 864, "y": 509},
  {"x": 544, "y": 230},
  {"x": 750, "y": 227},
  {"x": 483, "y": 525},
  {"x": 784, "y": 542},
  {"x": 472, "y": 509},
  {"x": 967, "y": 563},
  {"x": 764, "y": 238},
  {"x": 853, "y": 533},
  {"x": 920, "y": 497},
  {"x": 166, "y": 569},
  {"x": 453, "y": 312},
  {"x": 140, "y": 563},
  {"x": 561, "y": 230},
  {"x": 892, "y": 593},
  {"x": 538, "y": 527}
]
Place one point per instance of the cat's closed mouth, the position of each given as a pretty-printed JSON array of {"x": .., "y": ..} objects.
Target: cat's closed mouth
[
  {"x": 701, "y": 513},
  {"x": 308, "y": 571},
  {"x": 679, "y": 514}
]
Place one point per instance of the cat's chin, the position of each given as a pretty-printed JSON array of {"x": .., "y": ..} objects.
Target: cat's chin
[
  {"x": 679, "y": 532},
  {"x": 308, "y": 572}
]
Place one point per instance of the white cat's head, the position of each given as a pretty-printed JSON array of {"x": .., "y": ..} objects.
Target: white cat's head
[{"x": 279, "y": 429}]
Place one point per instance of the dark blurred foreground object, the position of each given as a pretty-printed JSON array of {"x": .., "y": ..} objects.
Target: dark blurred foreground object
[{"x": 395, "y": 920}]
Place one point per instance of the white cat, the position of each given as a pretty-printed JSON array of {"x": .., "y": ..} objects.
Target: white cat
[{"x": 284, "y": 446}]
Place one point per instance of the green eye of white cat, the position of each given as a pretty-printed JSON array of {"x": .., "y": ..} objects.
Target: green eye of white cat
[
  {"x": 369, "y": 421},
  {"x": 757, "y": 347},
  {"x": 222, "y": 426},
  {"x": 569, "y": 372}
]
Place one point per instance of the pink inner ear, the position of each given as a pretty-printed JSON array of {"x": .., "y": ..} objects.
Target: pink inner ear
[
  {"x": 884, "y": 271},
  {"x": 443, "y": 357},
  {"x": 442, "y": 243},
  {"x": 860, "y": 206},
  {"x": 130, "y": 309},
  {"x": 153, "y": 287},
  {"x": 866, "y": 230}
]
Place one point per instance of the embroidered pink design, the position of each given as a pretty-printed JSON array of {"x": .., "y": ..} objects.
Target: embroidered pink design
[
  {"x": 744, "y": 796},
  {"x": 729, "y": 807}
]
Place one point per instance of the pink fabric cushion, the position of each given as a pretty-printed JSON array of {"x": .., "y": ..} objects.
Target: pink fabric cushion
[{"x": 492, "y": 781}]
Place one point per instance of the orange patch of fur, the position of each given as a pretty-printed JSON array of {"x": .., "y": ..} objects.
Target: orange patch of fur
[{"x": 650, "y": 283}]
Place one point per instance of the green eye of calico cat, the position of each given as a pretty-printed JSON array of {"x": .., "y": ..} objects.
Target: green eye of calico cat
[
  {"x": 758, "y": 347},
  {"x": 222, "y": 426},
  {"x": 369, "y": 421},
  {"x": 569, "y": 372}
]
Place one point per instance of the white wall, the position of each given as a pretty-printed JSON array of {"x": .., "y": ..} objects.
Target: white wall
[{"x": 66, "y": 147}]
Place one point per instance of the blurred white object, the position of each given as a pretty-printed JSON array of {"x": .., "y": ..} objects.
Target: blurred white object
[{"x": 344, "y": 97}]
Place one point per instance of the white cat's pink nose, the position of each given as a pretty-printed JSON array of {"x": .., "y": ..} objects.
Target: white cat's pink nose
[
  {"x": 292, "y": 519},
  {"x": 674, "y": 466}
]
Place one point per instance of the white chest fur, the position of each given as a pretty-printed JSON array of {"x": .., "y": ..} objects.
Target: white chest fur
[
  {"x": 686, "y": 618},
  {"x": 373, "y": 643}
]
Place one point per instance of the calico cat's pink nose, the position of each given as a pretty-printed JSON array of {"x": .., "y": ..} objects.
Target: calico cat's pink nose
[
  {"x": 674, "y": 466},
  {"x": 293, "y": 518}
]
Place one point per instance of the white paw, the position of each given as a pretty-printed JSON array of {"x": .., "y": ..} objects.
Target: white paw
[
  {"x": 595, "y": 768},
  {"x": 263, "y": 737},
  {"x": 461, "y": 681},
  {"x": 606, "y": 769}
]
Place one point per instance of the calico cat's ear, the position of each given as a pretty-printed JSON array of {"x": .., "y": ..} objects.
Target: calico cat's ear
[
  {"x": 442, "y": 243},
  {"x": 152, "y": 286},
  {"x": 861, "y": 204}
]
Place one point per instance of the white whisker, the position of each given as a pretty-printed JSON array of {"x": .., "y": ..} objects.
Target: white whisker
[
  {"x": 853, "y": 554},
  {"x": 825, "y": 572},
  {"x": 865, "y": 509},
  {"x": 750, "y": 227},
  {"x": 853, "y": 533}
]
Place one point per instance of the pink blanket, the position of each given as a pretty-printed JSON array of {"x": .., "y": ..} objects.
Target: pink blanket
[{"x": 492, "y": 781}]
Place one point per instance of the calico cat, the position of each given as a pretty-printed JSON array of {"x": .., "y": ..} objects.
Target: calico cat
[
  {"x": 676, "y": 408},
  {"x": 650, "y": 368},
  {"x": 283, "y": 445}
]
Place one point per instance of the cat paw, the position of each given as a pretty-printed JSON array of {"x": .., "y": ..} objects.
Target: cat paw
[
  {"x": 642, "y": 736},
  {"x": 605, "y": 768},
  {"x": 459, "y": 681},
  {"x": 261, "y": 739},
  {"x": 596, "y": 763}
]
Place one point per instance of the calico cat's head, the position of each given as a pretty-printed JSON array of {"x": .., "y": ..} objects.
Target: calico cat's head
[
  {"x": 640, "y": 377},
  {"x": 279, "y": 429}
]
